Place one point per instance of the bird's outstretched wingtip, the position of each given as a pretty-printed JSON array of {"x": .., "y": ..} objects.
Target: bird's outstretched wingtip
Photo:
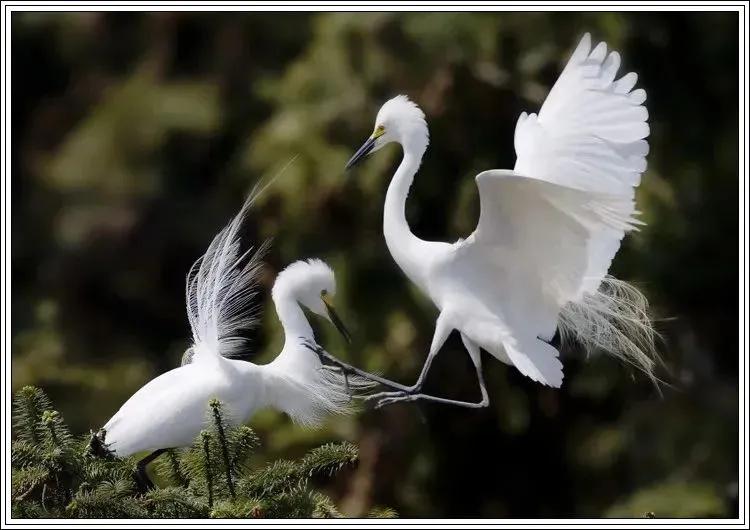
[{"x": 582, "y": 49}]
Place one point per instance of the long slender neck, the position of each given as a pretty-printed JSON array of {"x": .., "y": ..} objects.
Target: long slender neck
[
  {"x": 403, "y": 245},
  {"x": 272, "y": 385},
  {"x": 292, "y": 318},
  {"x": 289, "y": 379}
]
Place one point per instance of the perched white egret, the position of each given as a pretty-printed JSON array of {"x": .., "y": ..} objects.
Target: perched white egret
[
  {"x": 547, "y": 232},
  {"x": 170, "y": 410}
]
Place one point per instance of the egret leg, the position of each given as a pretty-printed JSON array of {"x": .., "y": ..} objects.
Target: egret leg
[
  {"x": 141, "y": 476},
  {"x": 476, "y": 357},
  {"x": 411, "y": 393},
  {"x": 442, "y": 330}
]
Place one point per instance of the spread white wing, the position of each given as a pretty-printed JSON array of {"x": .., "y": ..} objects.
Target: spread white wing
[
  {"x": 590, "y": 134},
  {"x": 556, "y": 221}
]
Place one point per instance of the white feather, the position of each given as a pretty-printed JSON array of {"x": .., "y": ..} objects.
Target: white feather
[
  {"x": 616, "y": 320},
  {"x": 220, "y": 290},
  {"x": 591, "y": 135}
]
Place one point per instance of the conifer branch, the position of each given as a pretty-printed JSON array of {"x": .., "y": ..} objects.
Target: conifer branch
[
  {"x": 205, "y": 438},
  {"x": 219, "y": 426}
]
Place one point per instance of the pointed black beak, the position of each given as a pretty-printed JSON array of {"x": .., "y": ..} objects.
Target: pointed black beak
[
  {"x": 337, "y": 322},
  {"x": 361, "y": 153}
]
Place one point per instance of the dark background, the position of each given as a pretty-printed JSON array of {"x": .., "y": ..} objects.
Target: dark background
[{"x": 136, "y": 136}]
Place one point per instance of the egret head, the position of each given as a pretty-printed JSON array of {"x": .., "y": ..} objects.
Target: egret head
[
  {"x": 399, "y": 120},
  {"x": 311, "y": 283}
]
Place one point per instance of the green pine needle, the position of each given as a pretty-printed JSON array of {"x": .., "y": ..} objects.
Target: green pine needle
[{"x": 328, "y": 459}]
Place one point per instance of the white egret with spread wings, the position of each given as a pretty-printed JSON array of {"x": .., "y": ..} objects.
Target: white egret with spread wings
[{"x": 547, "y": 233}]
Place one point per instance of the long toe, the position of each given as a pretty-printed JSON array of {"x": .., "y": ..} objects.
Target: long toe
[
  {"x": 410, "y": 391},
  {"x": 400, "y": 397},
  {"x": 382, "y": 395}
]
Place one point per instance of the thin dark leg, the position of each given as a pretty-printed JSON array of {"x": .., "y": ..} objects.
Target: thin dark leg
[
  {"x": 442, "y": 330},
  {"x": 474, "y": 353},
  {"x": 403, "y": 392},
  {"x": 413, "y": 389},
  {"x": 484, "y": 402},
  {"x": 141, "y": 476}
]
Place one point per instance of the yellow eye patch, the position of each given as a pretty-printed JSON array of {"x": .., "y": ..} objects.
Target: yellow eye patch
[
  {"x": 327, "y": 298},
  {"x": 379, "y": 131}
]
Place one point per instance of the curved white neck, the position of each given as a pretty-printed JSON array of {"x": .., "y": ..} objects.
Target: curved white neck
[
  {"x": 292, "y": 319},
  {"x": 403, "y": 245}
]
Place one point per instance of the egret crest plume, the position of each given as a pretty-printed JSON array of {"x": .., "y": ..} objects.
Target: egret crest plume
[{"x": 222, "y": 285}]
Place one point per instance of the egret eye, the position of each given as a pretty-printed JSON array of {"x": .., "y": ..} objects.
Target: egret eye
[
  {"x": 379, "y": 131},
  {"x": 323, "y": 293}
]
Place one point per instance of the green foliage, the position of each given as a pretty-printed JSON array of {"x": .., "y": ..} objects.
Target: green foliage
[
  {"x": 672, "y": 499},
  {"x": 168, "y": 466},
  {"x": 382, "y": 513},
  {"x": 219, "y": 429},
  {"x": 276, "y": 478},
  {"x": 31, "y": 403},
  {"x": 116, "y": 499},
  {"x": 58, "y": 476},
  {"x": 326, "y": 508},
  {"x": 329, "y": 459},
  {"x": 175, "y": 502},
  {"x": 44, "y": 452}
]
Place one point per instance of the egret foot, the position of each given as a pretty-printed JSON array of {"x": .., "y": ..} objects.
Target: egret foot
[
  {"x": 388, "y": 398},
  {"x": 387, "y": 395}
]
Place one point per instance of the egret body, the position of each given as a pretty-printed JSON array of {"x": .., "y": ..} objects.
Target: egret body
[
  {"x": 548, "y": 229},
  {"x": 170, "y": 410}
]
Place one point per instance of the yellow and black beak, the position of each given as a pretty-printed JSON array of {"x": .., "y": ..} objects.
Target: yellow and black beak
[
  {"x": 366, "y": 148},
  {"x": 335, "y": 317}
]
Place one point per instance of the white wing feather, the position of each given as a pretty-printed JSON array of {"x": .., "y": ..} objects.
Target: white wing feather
[
  {"x": 220, "y": 291},
  {"x": 590, "y": 135},
  {"x": 537, "y": 233},
  {"x": 555, "y": 222}
]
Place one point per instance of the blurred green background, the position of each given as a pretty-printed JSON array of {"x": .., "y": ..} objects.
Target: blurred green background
[{"x": 136, "y": 137}]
